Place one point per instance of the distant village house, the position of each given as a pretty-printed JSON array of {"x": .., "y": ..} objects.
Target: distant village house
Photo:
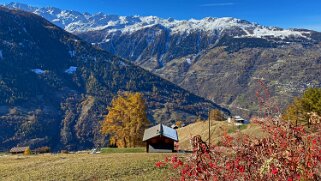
[{"x": 238, "y": 120}]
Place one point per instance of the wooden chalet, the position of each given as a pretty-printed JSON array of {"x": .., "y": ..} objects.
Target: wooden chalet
[
  {"x": 174, "y": 126},
  {"x": 18, "y": 150},
  {"x": 160, "y": 138}
]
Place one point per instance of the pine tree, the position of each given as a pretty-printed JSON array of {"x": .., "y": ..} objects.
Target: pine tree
[{"x": 126, "y": 120}]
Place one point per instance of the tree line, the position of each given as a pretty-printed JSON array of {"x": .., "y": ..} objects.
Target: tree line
[
  {"x": 303, "y": 108},
  {"x": 127, "y": 118}
]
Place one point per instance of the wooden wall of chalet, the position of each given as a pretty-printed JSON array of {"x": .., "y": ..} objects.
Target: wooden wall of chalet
[{"x": 160, "y": 144}]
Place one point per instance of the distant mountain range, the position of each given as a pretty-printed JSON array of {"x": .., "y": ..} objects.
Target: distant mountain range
[
  {"x": 220, "y": 59},
  {"x": 152, "y": 42},
  {"x": 55, "y": 88},
  {"x": 74, "y": 21}
]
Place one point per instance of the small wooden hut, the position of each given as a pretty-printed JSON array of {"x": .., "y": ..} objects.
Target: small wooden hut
[
  {"x": 18, "y": 150},
  {"x": 160, "y": 138}
]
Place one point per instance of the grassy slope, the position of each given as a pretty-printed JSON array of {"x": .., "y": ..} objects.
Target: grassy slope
[
  {"x": 112, "y": 164},
  {"x": 117, "y": 166},
  {"x": 124, "y": 150},
  {"x": 217, "y": 131}
]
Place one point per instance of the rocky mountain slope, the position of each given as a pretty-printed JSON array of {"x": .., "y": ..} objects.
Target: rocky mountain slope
[
  {"x": 232, "y": 78},
  {"x": 55, "y": 88},
  {"x": 152, "y": 42},
  {"x": 217, "y": 58}
]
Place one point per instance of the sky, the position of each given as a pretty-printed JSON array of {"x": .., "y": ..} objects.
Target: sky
[{"x": 280, "y": 13}]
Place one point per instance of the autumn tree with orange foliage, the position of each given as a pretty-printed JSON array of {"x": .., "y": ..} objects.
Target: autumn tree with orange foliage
[
  {"x": 179, "y": 124},
  {"x": 126, "y": 120}
]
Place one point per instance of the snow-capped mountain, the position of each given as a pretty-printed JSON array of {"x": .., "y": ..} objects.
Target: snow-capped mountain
[
  {"x": 216, "y": 58},
  {"x": 74, "y": 21},
  {"x": 152, "y": 42}
]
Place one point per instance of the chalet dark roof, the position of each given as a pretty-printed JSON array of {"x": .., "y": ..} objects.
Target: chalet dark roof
[
  {"x": 18, "y": 149},
  {"x": 238, "y": 118},
  {"x": 174, "y": 126},
  {"x": 158, "y": 130}
]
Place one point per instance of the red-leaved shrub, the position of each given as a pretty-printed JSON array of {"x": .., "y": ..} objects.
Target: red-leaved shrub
[{"x": 288, "y": 152}]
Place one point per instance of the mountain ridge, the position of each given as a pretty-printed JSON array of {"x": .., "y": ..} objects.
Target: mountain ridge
[
  {"x": 151, "y": 42},
  {"x": 215, "y": 58},
  {"x": 55, "y": 87},
  {"x": 66, "y": 19}
]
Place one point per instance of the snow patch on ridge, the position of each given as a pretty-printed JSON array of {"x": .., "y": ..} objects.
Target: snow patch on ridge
[
  {"x": 71, "y": 70},
  {"x": 261, "y": 32},
  {"x": 189, "y": 61},
  {"x": 72, "y": 53},
  {"x": 123, "y": 64},
  {"x": 38, "y": 71}
]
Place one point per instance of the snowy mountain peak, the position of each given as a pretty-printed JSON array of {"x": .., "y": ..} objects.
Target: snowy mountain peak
[
  {"x": 21, "y": 6},
  {"x": 74, "y": 21}
]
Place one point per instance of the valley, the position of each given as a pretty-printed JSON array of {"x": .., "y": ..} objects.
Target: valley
[
  {"x": 55, "y": 93},
  {"x": 218, "y": 59}
]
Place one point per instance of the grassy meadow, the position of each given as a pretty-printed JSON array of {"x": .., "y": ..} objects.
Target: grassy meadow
[
  {"x": 124, "y": 150},
  {"x": 112, "y": 163},
  {"x": 92, "y": 167},
  {"x": 218, "y": 128}
]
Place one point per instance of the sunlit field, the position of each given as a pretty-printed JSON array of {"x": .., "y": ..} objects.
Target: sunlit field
[{"x": 113, "y": 166}]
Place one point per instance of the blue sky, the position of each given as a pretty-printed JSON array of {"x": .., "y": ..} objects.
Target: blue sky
[{"x": 281, "y": 13}]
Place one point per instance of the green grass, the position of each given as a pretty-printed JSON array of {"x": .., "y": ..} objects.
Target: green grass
[
  {"x": 242, "y": 127},
  {"x": 3, "y": 153},
  {"x": 124, "y": 150},
  {"x": 236, "y": 128},
  {"x": 117, "y": 166}
]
